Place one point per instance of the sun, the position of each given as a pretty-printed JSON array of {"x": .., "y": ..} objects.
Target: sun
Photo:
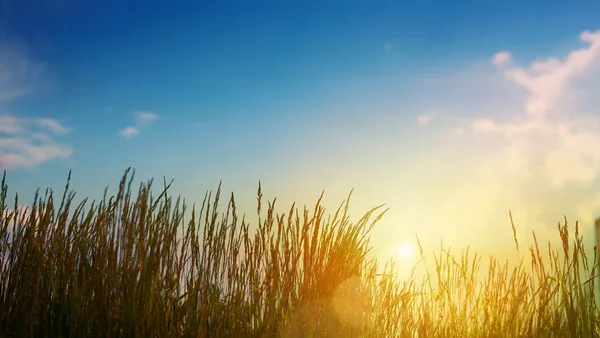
[
  {"x": 405, "y": 251},
  {"x": 403, "y": 257}
]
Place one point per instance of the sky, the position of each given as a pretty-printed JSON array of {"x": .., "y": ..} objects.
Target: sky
[{"x": 451, "y": 113}]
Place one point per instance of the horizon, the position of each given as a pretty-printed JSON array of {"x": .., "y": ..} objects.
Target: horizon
[{"x": 450, "y": 115}]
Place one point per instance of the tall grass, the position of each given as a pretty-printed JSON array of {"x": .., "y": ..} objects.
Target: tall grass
[{"x": 133, "y": 265}]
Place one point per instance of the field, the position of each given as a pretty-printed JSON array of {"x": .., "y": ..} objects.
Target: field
[{"x": 133, "y": 265}]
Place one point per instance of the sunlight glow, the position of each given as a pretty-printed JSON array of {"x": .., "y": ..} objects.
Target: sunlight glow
[{"x": 405, "y": 251}]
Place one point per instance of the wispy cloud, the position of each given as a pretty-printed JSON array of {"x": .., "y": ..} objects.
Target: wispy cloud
[
  {"x": 424, "y": 119},
  {"x": 547, "y": 81},
  {"x": 523, "y": 137},
  {"x": 143, "y": 119},
  {"x": 10, "y": 125},
  {"x": 29, "y": 142},
  {"x": 551, "y": 129},
  {"x": 540, "y": 156},
  {"x": 52, "y": 126},
  {"x": 501, "y": 58},
  {"x": 25, "y": 142},
  {"x": 387, "y": 46},
  {"x": 129, "y": 132},
  {"x": 18, "y": 74}
]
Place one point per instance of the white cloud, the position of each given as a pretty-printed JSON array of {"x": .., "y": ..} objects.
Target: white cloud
[
  {"x": 552, "y": 130},
  {"x": 424, "y": 119},
  {"x": 25, "y": 142},
  {"x": 550, "y": 135},
  {"x": 53, "y": 126},
  {"x": 502, "y": 58},
  {"x": 387, "y": 46},
  {"x": 129, "y": 132},
  {"x": 528, "y": 142},
  {"x": 9, "y": 125},
  {"x": 142, "y": 120},
  {"x": 18, "y": 74},
  {"x": 547, "y": 81}
]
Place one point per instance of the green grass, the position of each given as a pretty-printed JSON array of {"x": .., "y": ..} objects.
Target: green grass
[{"x": 133, "y": 265}]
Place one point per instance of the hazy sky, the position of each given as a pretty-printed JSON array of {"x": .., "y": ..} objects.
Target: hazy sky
[{"x": 452, "y": 113}]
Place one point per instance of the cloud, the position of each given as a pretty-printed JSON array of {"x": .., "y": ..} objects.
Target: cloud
[
  {"x": 129, "y": 132},
  {"x": 52, "y": 126},
  {"x": 9, "y": 125},
  {"x": 502, "y": 58},
  {"x": 387, "y": 46},
  {"x": 562, "y": 140},
  {"x": 547, "y": 81},
  {"x": 549, "y": 134},
  {"x": 424, "y": 119},
  {"x": 29, "y": 142},
  {"x": 143, "y": 119},
  {"x": 24, "y": 141},
  {"x": 527, "y": 141},
  {"x": 18, "y": 74}
]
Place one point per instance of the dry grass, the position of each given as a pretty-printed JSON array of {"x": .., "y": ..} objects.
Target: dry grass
[{"x": 132, "y": 265}]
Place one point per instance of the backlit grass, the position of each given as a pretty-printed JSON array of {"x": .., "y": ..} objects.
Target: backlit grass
[{"x": 139, "y": 264}]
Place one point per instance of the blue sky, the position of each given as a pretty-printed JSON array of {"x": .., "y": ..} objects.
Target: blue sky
[{"x": 437, "y": 108}]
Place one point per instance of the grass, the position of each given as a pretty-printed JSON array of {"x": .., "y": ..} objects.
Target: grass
[{"x": 133, "y": 265}]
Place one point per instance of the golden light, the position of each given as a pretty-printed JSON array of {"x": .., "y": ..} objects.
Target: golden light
[
  {"x": 405, "y": 251},
  {"x": 404, "y": 257}
]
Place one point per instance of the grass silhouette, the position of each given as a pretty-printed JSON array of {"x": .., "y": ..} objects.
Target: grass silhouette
[{"x": 133, "y": 265}]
